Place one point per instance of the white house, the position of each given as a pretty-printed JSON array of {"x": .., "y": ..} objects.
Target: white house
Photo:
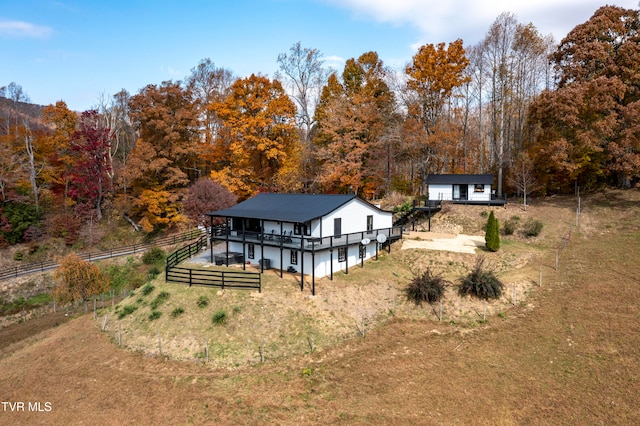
[
  {"x": 464, "y": 188},
  {"x": 307, "y": 233}
]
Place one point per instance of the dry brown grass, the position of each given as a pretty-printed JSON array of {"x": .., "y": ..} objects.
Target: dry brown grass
[{"x": 568, "y": 355}]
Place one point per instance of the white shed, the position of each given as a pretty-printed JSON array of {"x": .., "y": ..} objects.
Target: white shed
[{"x": 460, "y": 187}]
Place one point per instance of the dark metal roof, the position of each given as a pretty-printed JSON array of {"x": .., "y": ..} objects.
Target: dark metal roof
[
  {"x": 297, "y": 208},
  {"x": 460, "y": 179}
]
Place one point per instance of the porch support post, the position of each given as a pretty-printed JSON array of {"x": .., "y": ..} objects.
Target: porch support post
[
  {"x": 281, "y": 249},
  {"x": 261, "y": 246},
  {"x": 360, "y": 248},
  {"x": 244, "y": 248},
  {"x": 331, "y": 258},
  {"x": 228, "y": 231},
  {"x": 346, "y": 254},
  {"x": 389, "y": 241},
  {"x": 211, "y": 242},
  {"x": 313, "y": 268},
  {"x": 301, "y": 263}
]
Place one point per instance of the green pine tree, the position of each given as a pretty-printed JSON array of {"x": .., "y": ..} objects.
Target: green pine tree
[{"x": 492, "y": 234}]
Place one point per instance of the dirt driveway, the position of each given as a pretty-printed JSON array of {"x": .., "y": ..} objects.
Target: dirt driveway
[{"x": 447, "y": 242}]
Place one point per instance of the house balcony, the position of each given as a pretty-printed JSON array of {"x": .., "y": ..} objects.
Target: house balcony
[{"x": 306, "y": 243}]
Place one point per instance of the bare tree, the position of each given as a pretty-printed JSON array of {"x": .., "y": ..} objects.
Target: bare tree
[
  {"x": 209, "y": 84},
  {"x": 305, "y": 75},
  {"x": 522, "y": 177}
]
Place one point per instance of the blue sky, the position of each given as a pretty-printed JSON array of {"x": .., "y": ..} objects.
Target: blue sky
[{"x": 77, "y": 51}]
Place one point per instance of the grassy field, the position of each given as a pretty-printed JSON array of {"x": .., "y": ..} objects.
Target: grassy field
[{"x": 568, "y": 353}]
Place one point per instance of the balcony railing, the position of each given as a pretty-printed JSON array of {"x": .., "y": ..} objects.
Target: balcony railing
[{"x": 289, "y": 240}]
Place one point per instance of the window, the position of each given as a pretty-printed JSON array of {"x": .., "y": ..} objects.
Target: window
[
  {"x": 342, "y": 254},
  {"x": 294, "y": 257},
  {"x": 302, "y": 228},
  {"x": 337, "y": 227},
  {"x": 369, "y": 223},
  {"x": 478, "y": 187},
  {"x": 251, "y": 251}
]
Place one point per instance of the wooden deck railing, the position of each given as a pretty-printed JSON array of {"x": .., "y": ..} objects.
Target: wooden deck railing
[{"x": 205, "y": 277}]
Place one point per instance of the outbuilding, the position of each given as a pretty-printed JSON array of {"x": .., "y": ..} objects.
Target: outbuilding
[{"x": 462, "y": 188}]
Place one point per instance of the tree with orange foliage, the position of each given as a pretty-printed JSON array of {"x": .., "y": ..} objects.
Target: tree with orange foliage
[
  {"x": 434, "y": 73},
  {"x": 352, "y": 116},
  {"x": 263, "y": 141},
  {"x": 63, "y": 121},
  {"x": 78, "y": 279},
  {"x": 589, "y": 127},
  {"x": 162, "y": 164}
]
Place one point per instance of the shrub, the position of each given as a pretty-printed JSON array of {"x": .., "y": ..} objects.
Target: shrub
[
  {"x": 153, "y": 255},
  {"x": 481, "y": 283},
  {"x": 404, "y": 207},
  {"x": 129, "y": 309},
  {"x": 203, "y": 302},
  {"x": 532, "y": 228},
  {"x": 492, "y": 235},
  {"x": 510, "y": 226},
  {"x": 219, "y": 317},
  {"x": 153, "y": 272},
  {"x": 160, "y": 298},
  {"x": 147, "y": 289},
  {"x": 426, "y": 287},
  {"x": 154, "y": 315},
  {"x": 177, "y": 312}
]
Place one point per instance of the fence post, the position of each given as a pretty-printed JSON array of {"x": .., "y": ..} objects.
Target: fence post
[
  {"x": 540, "y": 281},
  {"x": 190, "y": 277},
  {"x": 484, "y": 309}
]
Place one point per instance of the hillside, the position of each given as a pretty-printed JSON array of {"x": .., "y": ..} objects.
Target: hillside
[{"x": 568, "y": 355}]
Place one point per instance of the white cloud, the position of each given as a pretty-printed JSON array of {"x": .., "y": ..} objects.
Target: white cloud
[
  {"x": 335, "y": 62},
  {"x": 24, "y": 29},
  {"x": 446, "y": 20}
]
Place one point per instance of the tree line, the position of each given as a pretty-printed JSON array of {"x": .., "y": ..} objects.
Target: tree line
[{"x": 541, "y": 116}]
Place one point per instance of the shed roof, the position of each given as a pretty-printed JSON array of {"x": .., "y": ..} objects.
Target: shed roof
[
  {"x": 297, "y": 208},
  {"x": 458, "y": 179}
]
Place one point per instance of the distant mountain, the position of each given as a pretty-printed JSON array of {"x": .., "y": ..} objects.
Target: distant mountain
[{"x": 11, "y": 111}]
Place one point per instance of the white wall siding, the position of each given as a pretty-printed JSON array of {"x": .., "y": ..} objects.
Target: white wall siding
[
  {"x": 354, "y": 218},
  {"x": 441, "y": 192},
  {"x": 480, "y": 196},
  {"x": 445, "y": 192},
  {"x": 322, "y": 259}
]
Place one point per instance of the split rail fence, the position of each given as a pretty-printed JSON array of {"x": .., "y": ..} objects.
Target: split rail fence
[{"x": 31, "y": 268}]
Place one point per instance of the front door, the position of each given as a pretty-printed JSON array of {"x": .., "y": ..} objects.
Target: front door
[{"x": 460, "y": 192}]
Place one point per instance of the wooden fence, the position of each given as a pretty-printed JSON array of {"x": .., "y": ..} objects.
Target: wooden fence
[
  {"x": 184, "y": 253},
  {"x": 30, "y": 268},
  {"x": 203, "y": 277},
  {"x": 242, "y": 280}
]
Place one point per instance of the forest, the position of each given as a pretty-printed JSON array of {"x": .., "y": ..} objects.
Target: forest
[{"x": 544, "y": 117}]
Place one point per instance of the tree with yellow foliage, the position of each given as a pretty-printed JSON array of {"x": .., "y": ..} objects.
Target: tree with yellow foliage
[
  {"x": 263, "y": 146},
  {"x": 78, "y": 279}
]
